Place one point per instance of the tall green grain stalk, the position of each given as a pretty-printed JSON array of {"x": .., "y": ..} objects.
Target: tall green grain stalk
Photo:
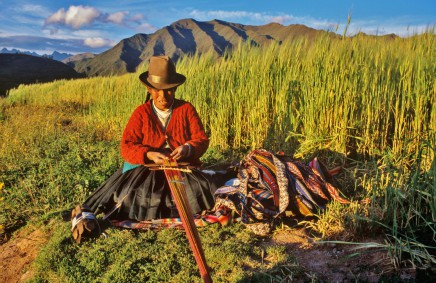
[
  {"x": 359, "y": 95},
  {"x": 409, "y": 211},
  {"x": 402, "y": 209}
]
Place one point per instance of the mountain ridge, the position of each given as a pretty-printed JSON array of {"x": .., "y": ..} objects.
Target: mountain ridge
[
  {"x": 55, "y": 55},
  {"x": 187, "y": 37}
]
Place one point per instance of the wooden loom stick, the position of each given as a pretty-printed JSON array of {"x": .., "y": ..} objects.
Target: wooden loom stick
[{"x": 178, "y": 191}]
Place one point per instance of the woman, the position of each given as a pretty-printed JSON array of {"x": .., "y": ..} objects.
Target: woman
[{"x": 162, "y": 128}]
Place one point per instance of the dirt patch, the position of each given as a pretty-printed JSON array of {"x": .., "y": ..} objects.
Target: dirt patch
[
  {"x": 18, "y": 253},
  {"x": 338, "y": 262}
]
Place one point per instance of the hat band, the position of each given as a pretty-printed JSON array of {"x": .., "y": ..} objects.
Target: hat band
[{"x": 158, "y": 79}]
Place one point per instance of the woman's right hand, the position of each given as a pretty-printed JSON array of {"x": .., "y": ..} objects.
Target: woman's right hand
[{"x": 157, "y": 157}]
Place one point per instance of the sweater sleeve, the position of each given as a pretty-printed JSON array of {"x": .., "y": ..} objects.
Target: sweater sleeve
[
  {"x": 199, "y": 141},
  {"x": 132, "y": 149}
]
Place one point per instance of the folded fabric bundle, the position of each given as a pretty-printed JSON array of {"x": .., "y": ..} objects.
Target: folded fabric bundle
[{"x": 270, "y": 185}]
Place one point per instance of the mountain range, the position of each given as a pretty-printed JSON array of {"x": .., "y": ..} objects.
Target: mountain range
[
  {"x": 183, "y": 37},
  {"x": 55, "y": 55}
]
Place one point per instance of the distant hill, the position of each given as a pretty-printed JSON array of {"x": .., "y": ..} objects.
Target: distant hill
[
  {"x": 60, "y": 56},
  {"x": 385, "y": 36},
  {"x": 16, "y": 69},
  {"x": 187, "y": 37},
  {"x": 78, "y": 57},
  {"x": 55, "y": 55}
]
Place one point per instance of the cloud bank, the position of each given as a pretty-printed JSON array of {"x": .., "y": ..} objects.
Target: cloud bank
[
  {"x": 97, "y": 42},
  {"x": 369, "y": 26},
  {"x": 117, "y": 18},
  {"x": 75, "y": 17},
  {"x": 78, "y": 20},
  {"x": 259, "y": 18},
  {"x": 47, "y": 45}
]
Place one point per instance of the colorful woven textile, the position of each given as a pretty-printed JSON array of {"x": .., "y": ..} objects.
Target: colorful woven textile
[
  {"x": 221, "y": 215},
  {"x": 271, "y": 185}
]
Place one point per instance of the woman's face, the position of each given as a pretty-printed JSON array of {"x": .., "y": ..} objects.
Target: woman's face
[{"x": 163, "y": 98}]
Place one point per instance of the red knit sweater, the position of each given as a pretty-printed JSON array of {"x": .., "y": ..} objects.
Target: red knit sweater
[{"x": 144, "y": 132}]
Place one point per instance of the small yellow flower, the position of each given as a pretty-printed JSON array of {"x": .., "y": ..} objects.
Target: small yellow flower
[{"x": 2, "y": 185}]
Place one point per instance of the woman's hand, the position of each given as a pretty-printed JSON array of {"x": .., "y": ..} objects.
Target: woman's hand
[
  {"x": 180, "y": 152},
  {"x": 157, "y": 157}
]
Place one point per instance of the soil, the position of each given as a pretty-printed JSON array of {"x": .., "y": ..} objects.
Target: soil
[
  {"x": 18, "y": 253},
  {"x": 325, "y": 262},
  {"x": 340, "y": 262}
]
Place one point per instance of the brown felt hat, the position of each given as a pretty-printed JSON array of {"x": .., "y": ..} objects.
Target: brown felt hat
[{"x": 161, "y": 74}]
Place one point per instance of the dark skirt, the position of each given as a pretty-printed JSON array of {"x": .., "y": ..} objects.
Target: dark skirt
[{"x": 145, "y": 194}]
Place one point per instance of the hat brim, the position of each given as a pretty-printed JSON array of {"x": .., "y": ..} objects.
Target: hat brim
[{"x": 178, "y": 80}]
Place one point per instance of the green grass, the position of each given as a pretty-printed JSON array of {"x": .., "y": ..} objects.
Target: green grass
[{"x": 232, "y": 253}]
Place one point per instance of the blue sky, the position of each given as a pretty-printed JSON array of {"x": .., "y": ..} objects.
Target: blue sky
[{"x": 95, "y": 26}]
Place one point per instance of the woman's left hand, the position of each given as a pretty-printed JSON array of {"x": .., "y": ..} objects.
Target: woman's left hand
[{"x": 180, "y": 152}]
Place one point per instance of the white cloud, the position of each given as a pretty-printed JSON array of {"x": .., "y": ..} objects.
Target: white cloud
[
  {"x": 117, "y": 18},
  {"x": 75, "y": 17},
  {"x": 208, "y": 15},
  {"x": 282, "y": 19},
  {"x": 33, "y": 9},
  {"x": 137, "y": 18},
  {"x": 76, "y": 34},
  {"x": 253, "y": 18},
  {"x": 26, "y": 20},
  {"x": 26, "y": 42},
  {"x": 386, "y": 28},
  {"x": 123, "y": 19},
  {"x": 260, "y": 18},
  {"x": 97, "y": 42},
  {"x": 89, "y": 33},
  {"x": 56, "y": 18},
  {"x": 80, "y": 16},
  {"x": 146, "y": 28}
]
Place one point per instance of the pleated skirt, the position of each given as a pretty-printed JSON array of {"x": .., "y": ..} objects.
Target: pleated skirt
[{"x": 144, "y": 194}]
